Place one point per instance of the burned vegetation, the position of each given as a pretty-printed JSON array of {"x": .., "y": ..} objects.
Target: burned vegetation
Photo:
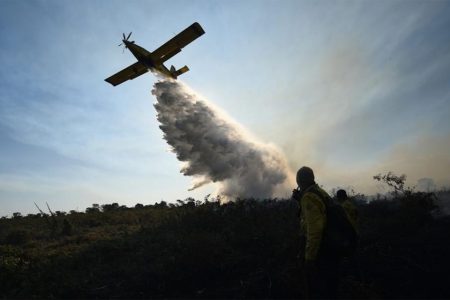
[{"x": 204, "y": 249}]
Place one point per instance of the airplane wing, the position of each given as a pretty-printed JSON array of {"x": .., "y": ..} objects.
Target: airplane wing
[
  {"x": 174, "y": 45},
  {"x": 130, "y": 72}
]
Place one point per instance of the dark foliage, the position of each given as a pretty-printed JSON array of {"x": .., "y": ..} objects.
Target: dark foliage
[
  {"x": 17, "y": 237},
  {"x": 243, "y": 249}
]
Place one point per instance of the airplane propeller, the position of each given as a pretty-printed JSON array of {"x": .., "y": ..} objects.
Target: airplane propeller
[{"x": 124, "y": 40}]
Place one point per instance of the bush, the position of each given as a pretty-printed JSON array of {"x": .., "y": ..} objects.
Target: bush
[
  {"x": 17, "y": 237},
  {"x": 242, "y": 249}
]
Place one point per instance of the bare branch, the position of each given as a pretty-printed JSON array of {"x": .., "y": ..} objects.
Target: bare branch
[{"x": 49, "y": 209}]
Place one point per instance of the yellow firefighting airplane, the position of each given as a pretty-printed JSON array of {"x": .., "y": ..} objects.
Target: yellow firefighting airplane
[{"x": 153, "y": 61}]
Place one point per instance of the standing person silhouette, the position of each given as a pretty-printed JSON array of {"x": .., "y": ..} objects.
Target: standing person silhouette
[
  {"x": 321, "y": 266},
  {"x": 349, "y": 207}
]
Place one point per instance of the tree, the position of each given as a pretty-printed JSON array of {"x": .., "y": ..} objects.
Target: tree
[
  {"x": 162, "y": 204},
  {"x": 392, "y": 180},
  {"x": 94, "y": 209},
  {"x": 110, "y": 207},
  {"x": 17, "y": 215}
]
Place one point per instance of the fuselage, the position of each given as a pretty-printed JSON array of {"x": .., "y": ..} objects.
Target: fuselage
[
  {"x": 141, "y": 54},
  {"x": 145, "y": 57}
]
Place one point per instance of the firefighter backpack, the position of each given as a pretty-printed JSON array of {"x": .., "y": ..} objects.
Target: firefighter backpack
[{"x": 339, "y": 236}]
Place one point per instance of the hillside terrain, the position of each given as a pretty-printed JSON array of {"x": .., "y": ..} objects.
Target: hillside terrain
[{"x": 204, "y": 249}]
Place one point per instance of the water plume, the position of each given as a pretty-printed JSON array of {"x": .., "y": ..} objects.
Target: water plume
[{"x": 213, "y": 148}]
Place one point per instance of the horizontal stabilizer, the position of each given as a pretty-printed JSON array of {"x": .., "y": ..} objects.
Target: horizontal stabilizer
[
  {"x": 175, "y": 73},
  {"x": 182, "y": 70}
]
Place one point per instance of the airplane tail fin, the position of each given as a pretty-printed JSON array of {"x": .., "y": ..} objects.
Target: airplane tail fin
[{"x": 178, "y": 72}]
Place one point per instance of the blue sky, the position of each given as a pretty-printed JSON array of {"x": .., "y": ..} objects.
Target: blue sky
[{"x": 350, "y": 88}]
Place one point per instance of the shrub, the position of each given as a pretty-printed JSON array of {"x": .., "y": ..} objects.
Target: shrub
[{"x": 17, "y": 237}]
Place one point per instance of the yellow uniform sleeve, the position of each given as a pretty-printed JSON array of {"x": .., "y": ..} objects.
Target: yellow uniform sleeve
[{"x": 313, "y": 219}]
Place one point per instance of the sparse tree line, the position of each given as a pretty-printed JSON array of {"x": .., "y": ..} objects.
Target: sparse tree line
[{"x": 208, "y": 249}]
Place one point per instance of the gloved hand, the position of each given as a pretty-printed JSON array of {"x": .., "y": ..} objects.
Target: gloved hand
[{"x": 296, "y": 194}]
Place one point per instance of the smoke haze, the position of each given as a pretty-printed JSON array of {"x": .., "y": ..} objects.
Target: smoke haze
[{"x": 213, "y": 148}]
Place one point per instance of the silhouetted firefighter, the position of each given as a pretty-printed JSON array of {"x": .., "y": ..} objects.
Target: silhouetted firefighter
[
  {"x": 349, "y": 207},
  {"x": 327, "y": 233}
]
